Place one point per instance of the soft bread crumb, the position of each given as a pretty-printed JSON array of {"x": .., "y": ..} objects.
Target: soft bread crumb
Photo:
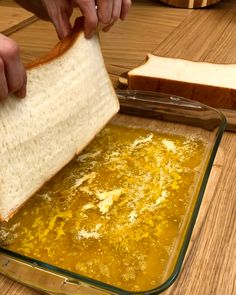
[{"x": 68, "y": 101}]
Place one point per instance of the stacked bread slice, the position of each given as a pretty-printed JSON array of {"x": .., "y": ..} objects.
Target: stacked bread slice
[{"x": 212, "y": 84}]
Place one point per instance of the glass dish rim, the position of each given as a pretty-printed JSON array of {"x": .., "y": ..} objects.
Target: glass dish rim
[{"x": 77, "y": 278}]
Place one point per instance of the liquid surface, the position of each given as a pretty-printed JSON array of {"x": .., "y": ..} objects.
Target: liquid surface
[{"x": 115, "y": 212}]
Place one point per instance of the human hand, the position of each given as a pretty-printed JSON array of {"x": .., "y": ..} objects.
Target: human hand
[
  {"x": 12, "y": 72},
  {"x": 106, "y": 12}
]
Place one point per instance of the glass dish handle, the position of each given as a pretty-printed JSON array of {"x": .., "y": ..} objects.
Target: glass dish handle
[{"x": 169, "y": 108}]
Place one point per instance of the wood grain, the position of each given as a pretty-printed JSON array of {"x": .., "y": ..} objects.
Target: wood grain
[
  {"x": 196, "y": 37},
  {"x": 205, "y": 35},
  {"x": 210, "y": 264},
  {"x": 213, "y": 249},
  {"x": 12, "y": 18},
  {"x": 20, "y": 25}
]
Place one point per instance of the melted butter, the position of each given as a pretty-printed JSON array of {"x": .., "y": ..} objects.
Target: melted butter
[{"x": 115, "y": 212}]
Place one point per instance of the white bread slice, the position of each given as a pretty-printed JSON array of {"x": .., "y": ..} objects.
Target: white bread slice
[
  {"x": 212, "y": 84},
  {"x": 69, "y": 100}
]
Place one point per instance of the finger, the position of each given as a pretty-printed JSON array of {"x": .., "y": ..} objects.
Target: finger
[
  {"x": 126, "y": 4},
  {"x": 105, "y": 8},
  {"x": 22, "y": 92},
  {"x": 116, "y": 12},
  {"x": 62, "y": 25},
  {"x": 89, "y": 12},
  {"x": 15, "y": 75},
  {"x": 14, "y": 70},
  {"x": 107, "y": 28},
  {"x": 3, "y": 81},
  {"x": 59, "y": 13}
]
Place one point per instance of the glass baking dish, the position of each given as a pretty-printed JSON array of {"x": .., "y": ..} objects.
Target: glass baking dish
[{"x": 170, "y": 114}]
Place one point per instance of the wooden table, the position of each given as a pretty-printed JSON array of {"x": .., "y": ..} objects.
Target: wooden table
[{"x": 210, "y": 263}]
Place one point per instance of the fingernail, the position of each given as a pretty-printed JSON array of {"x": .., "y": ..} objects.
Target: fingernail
[
  {"x": 21, "y": 93},
  {"x": 123, "y": 17},
  {"x": 106, "y": 29},
  {"x": 90, "y": 34},
  {"x": 63, "y": 34}
]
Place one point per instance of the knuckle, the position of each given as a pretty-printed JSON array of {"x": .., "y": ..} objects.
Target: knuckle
[
  {"x": 11, "y": 50},
  {"x": 86, "y": 2},
  {"x": 104, "y": 18}
]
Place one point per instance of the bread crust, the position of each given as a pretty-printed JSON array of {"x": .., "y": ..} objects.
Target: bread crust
[
  {"x": 61, "y": 47},
  {"x": 218, "y": 97}
]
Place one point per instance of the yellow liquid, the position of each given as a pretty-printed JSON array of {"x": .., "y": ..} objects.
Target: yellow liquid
[{"x": 115, "y": 212}]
